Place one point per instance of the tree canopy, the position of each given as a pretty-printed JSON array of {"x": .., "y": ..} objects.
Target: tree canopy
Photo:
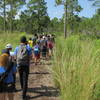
[{"x": 34, "y": 17}]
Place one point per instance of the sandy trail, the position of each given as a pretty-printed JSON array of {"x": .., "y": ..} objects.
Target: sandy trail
[{"x": 40, "y": 85}]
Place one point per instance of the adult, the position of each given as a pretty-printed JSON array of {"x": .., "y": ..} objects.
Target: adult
[
  {"x": 7, "y": 88},
  {"x": 30, "y": 42},
  {"x": 34, "y": 39},
  {"x": 7, "y": 50},
  {"x": 50, "y": 47},
  {"x": 23, "y": 54}
]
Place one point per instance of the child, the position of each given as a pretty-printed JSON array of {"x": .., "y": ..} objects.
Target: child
[{"x": 36, "y": 51}]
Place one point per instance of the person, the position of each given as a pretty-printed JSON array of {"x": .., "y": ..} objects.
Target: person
[
  {"x": 44, "y": 50},
  {"x": 43, "y": 46},
  {"x": 7, "y": 50},
  {"x": 30, "y": 42},
  {"x": 7, "y": 89},
  {"x": 34, "y": 39},
  {"x": 50, "y": 47},
  {"x": 23, "y": 54},
  {"x": 36, "y": 51}
]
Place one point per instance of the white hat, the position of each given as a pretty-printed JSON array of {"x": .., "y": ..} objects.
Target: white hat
[
  {"x": 43, "y": 37},
  {"x": 8, "y": 46}
]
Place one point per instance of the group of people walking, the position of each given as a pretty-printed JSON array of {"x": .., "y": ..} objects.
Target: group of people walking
[{"x": 38, "y": 47}]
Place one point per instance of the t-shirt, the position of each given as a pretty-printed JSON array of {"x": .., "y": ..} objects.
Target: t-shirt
[
  {"x": 36, "y": 49},
  {"x": 28, "y": 48},
  {"x": 11, "y": 53},
  {"x": 42, "y": 43},
  {"x": 30, "y": 43}
]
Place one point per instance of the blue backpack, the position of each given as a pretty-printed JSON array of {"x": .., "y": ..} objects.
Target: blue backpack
[{"x": 36, "y": 49}]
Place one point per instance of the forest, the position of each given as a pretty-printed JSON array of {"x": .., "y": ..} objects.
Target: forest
[{"x": 31, "y": 16}]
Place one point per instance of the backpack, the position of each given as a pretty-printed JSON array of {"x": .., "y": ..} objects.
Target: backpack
[
  {"x": 5, "y": 75},
  {"x": 2, "y": 78},
  {"x": 50, "y": 45},
  {"x": 22, "y": 56},
  {"x": 36, "y": 50}
]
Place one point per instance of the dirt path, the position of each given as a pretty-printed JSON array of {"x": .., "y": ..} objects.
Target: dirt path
[{"x": 40, "y": 85}]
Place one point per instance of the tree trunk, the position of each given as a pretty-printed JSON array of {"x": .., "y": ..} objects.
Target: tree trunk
[
  {"x": 11, "y": 16},
  {"x": 72, "y": 23},
  {"x": 65, "y": 21},
  {"x": 4, "y": 16},
  {"x": 38, "y": 22}
]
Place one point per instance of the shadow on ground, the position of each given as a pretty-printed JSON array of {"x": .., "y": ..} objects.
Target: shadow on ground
[
  {"x": 44, "y": 91},
  {"x": 40, "y": 73}
]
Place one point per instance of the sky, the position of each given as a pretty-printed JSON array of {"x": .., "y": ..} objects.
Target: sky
[{"x": 58, "y": 11}]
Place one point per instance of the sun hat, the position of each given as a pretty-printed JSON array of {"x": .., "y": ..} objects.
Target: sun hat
[
  {"x": 43, "y": 37},
  {"x": 8, "y": 46}
]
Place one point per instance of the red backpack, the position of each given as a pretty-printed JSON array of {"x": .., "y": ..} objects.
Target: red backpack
[{"x": 50, "y": 45}]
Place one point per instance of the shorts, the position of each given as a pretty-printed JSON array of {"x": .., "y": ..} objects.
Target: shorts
[
  {"x": 44, "y": 54},
  {"x": 37, "y": 56},
  {"x": 7, "y": 88}
]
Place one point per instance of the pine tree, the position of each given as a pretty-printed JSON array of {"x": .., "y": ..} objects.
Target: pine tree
[
  {"x": 70, "y": 7},
  {"x": 15, "y": 5},
  {"x": 39, "y": 8}
]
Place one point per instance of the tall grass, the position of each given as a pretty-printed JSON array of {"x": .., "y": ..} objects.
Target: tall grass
[
  {"x": 13, "y": 38},
  {"x": 76, "y": 69}
]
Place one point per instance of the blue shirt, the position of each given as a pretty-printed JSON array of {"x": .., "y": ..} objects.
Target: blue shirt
[
  {"x": 9, "y": 78},
  {"x": 28, "y": 48}
]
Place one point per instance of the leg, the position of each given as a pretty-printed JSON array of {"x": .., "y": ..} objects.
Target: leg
[
  {"x": 33, "y": 57},
  {"x": 21, "y": 77},
  {"x": 2, "y": 96},
  {"x": 14, "y": 75},
  {"x": 10, "y": 96},
  {"x": 36, "y": 59},
  {"x": 25, "y": 81}
]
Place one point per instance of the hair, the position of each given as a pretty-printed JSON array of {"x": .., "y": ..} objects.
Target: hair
[
  {"x": 30, "y": 38},
  {"x": 5, "y": 51},
  {"x": 23, "y": 39},
  {"x": 4, "y": 60},
  {"x": 35, "y": 34}
]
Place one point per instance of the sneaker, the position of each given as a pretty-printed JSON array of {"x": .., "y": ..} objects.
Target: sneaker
[{"x": 26, "y": 97}]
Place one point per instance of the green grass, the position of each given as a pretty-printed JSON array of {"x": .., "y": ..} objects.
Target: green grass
[
  {"x": 13, "y": 38},
  {"x": 76, "y": 68}
]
